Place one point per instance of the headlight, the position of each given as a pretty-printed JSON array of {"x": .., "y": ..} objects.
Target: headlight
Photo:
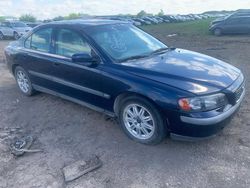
[{"x": 203, "y": 103}]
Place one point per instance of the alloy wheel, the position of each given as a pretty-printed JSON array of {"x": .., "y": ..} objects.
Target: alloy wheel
[
  {"x": 22, "y": 81},
  {"x": 217, "y": 32},
  {"x": 138, "y": 121}
]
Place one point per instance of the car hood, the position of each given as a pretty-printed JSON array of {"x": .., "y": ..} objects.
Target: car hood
[
  {"x": 187, "y": 70},
  {"x": 218, "y": 20}
]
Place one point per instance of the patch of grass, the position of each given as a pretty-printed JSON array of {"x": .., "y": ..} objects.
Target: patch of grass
[{"x": 199, "y": 27}]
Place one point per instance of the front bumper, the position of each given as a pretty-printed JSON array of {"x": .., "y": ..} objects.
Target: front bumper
[
  {"x": 202, "y": 126},
  {"x": 229, "y": 110}
]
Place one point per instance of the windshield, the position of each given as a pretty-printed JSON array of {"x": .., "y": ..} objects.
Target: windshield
[
  {"x": 18, "y": 24},
  {"x": 124, "y": 41}
]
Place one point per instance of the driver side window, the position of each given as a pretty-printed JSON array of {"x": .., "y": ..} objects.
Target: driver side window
[
  {"x": 69, "y": 42},
  {"x": 5, "y": 24},
  {"x": 234, "y": 21}
]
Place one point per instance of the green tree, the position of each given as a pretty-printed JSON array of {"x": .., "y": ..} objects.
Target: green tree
[
  {"x": 27, "y": 18},
  {"x": 72, "y": 16},
  {"x": 161, "y": 13},
  {"x": 58, "y": 18},
  {"x": 142, "y": 13},
  {"x": 2, "y": 18}
]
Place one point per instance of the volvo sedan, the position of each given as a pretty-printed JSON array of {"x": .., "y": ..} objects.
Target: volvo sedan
[{"x": 118, "y": 69}]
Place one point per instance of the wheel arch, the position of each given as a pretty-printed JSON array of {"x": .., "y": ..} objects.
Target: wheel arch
[
  {"x": 121, "y": 96},
  {"x": 13, "y": 68},
  {"x": 218, "y": 27}
]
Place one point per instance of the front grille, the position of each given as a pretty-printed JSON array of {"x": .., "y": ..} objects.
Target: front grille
[{"x": 238, "y": 93}]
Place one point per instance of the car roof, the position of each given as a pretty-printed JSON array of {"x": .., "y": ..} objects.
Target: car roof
[{"x": 87, "y": 22}]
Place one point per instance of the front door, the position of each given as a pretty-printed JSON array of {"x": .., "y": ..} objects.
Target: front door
[
  {"x": 76, "y": 80},
  {"x": 6, "y": 29}
]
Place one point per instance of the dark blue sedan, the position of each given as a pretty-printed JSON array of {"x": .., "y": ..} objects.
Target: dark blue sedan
[{"x": 116, "y": 68}]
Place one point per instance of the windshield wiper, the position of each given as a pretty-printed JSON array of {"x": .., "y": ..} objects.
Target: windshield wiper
[
  {"x": 146, "y": 55},
  {"x": 133, "y": 57},
  {"x": 160, "y": 50}
]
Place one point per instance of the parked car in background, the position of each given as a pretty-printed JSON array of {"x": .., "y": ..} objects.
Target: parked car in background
[
  {"x": 150, "y": 19},
  {"x": 166, "y": 20},
  {"x": 236, "y": 23},
  {"x": 116, "y": 68},
  {"x": 136, "y": 23},
  {"x": 170, "y": 18},
  {"x": 146, "y": 21},
  {"x": 159, "y": 19},
  {"x": 154, "y": 19},
  {"x": 141, "y": 21},
  {"x": 32, "y": 24},
  {"x": 13, "y": 29}
]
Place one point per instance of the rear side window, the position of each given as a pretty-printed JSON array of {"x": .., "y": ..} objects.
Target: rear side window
[
  {"x": 246, "y": 20},
  {"x": 69, "y": 42},
  {"x": 40, "y": 40},
  {"x": 238, "y": 20},
  {"x": 232, "y": 21}
]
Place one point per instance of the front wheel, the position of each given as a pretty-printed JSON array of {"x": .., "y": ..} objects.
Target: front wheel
[
  {"x": 23, "y": 81},
  {"x": 141, "y": 121},
  {"x": 217, "y": 32},
  {"x": 16, "y": 36}
]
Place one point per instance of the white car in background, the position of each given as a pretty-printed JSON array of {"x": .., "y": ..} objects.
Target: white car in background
[{"x": 13, "y": 29}]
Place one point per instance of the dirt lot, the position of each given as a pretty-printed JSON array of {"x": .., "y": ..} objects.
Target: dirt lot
[{"x": 68, "y": 132}]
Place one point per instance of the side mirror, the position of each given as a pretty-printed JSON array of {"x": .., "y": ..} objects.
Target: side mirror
[{"x": 85, "y": 58}]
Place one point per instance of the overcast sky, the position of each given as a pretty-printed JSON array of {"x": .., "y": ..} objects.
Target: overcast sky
[{"x": 43, "y": 9}]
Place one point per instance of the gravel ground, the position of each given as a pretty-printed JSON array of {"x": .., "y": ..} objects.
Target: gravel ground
[{"x": 68, "y": 132}]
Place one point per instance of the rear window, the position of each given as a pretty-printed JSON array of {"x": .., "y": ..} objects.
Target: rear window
[
  {"x": 239, "y": 20},
  {"x": 18, "y": 24},
  {"x": 40, "y": 40}
]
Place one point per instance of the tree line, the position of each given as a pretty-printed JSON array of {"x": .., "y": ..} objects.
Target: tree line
[{"x": 32, "y": 18}]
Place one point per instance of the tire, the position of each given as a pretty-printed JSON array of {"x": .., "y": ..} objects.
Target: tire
[
  {"x": 23, "y": 81},
  {"x": 1, "y": 36},
  {"x": 16, "y": 36},
  {"x": 137, "y": 127},
  {"x": 217, "y": 32}
]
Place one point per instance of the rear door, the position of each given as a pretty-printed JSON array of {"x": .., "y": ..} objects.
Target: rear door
[
  {"x": 36, "y": 57},
  {"x": 248, "y": 24},
  {"x": 244, "y": 24},
  {"x": 236, "y": 25}
]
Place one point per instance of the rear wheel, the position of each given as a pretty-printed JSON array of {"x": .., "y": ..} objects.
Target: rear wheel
[
  {"x": 141, "y": 121},
  {"x": 217, "y": 32},
  {"x": 23, "y": 81}
]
